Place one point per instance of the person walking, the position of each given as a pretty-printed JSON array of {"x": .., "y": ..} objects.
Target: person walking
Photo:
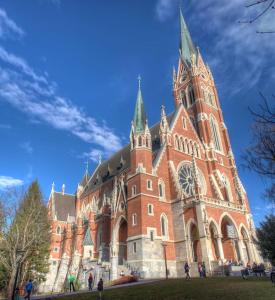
[
  {"x": 100, "y": 288},
  {"x": 187, "y": 270},
  {"x": 28, "y": 288},
  {"x": 200, "y": 270},
  {"x": 203, "y": 269},
  {"x": 71, "y": 279},
  {"x": 90, "y": 281}
]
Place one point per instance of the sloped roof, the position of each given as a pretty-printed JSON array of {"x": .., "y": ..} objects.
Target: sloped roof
[
  {"x": 64, "y": 205},
  {"x": 88, "y": 239},
  {"x": 120, "y": 161}
]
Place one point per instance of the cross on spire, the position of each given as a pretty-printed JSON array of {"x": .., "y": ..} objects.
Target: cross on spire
[{"x": 139, "y": 82}]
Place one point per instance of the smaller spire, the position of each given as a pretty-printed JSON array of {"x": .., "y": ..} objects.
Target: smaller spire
[
  {"x": 163, "y": 113},
  {"x": 139, "y": 121},
  {"x": 63, "y": 189},
  {"x": 53, "y": 187},
  {"x": 87, "y": 167},
  {"x": 174, "y": 74},
  {"x": 99, "y": 159}
]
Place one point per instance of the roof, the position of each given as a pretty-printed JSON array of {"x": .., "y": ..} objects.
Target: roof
[
  {"x": 88, "y": 239},
  {"x": 120, "y": 161},
  {"x": 139, "y": 121},
  {"x": 64, "y": 205},
  {"x": 186, "y": 44}
]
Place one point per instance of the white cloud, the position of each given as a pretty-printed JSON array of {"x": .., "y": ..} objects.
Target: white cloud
[
  {"x": 36, "y": 96},
  {"x": 165, "y": 9},
  {"x": 8, "y": 182},
  {"x": 95, "y": 155},
  {"x": 5, "y": 126},
  {"x": 8, "y": 27},
  {"x": 26, "y": 146},
  {"x": 251, "y": 54}
]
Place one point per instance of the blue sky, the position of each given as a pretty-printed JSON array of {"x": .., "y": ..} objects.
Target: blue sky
[{"x": 68, "y": 79}]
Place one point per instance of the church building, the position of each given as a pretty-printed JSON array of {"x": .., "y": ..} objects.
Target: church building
[{"x": 171, "y": 196}]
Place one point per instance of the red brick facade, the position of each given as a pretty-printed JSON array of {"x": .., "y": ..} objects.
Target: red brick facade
[{"x": 174, "y": 184}]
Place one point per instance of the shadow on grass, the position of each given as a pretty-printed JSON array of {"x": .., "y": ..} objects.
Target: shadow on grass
[{"x": 196, "y": 289}]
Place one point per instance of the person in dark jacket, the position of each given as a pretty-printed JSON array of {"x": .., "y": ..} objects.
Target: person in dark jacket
[
  {"x": 90, "y": 281},
  {"x": 28, "y": 288},
  {"x": 203, "y": 269},
  {"x": 100, "y": 288},
  {"x": 187, "y": 270}
]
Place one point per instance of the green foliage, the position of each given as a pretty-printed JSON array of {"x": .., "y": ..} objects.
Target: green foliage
[
  {"x": 3, "y": 277},
  {"x": 26, "y": 238},
  {"x": 266, "y": 238}
]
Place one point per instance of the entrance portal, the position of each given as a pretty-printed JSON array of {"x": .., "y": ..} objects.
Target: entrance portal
[{"x": 122, "y": 243}]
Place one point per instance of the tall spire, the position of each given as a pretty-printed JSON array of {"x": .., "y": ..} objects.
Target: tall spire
[
  {"x": 186, "y": 44},
  {"x": 139, "y": 121}
]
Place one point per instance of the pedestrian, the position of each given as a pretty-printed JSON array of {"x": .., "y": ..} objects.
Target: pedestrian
[
  {"x": 16, "y": 294},
  {"x": 122, "y": 273},
  {"x": 28, "y": 288},
  {"x": 90, "y": 281},
  {"x": 272, "y": 276},
  {"x": 200, "y": 270},
  {"x": 71, "y": 279},
  {"x": 203, "y": 269},
  {"x": 187, "y": 269},
  {"x": 100, "y": 288}
]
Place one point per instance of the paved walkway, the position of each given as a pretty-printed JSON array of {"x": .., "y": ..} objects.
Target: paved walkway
[{"x": 58, "y": 295}]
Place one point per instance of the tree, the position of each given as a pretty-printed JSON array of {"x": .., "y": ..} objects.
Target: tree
[
  {"x": 26, "y": 231},
  {"x": 266, "y": 238},
  {"x": 260, "y": 156},
  {"x": 261, "y": 8}
]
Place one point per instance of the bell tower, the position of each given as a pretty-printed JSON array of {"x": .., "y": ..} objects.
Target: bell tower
[
  {"x": 194, "y": 88},
  {"x": 140, "y": 137}
]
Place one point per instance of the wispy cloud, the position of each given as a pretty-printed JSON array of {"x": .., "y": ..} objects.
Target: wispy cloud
[
  {"x": 250, "y": 54},
  {"x": 5, "y": 126},
  {"x": 94, "y": 155},
  {"x": 27, "y": 147},
  {"x": 36, "y": 96},
  {"x": 8, "y": 28},
  {"x": 8, "y": 182},
  {"x": 165, "y": 9},
  {"x": 237, "y": 53}
]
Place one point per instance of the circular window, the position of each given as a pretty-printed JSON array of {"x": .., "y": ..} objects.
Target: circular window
[{"x": 187, "y": 180}]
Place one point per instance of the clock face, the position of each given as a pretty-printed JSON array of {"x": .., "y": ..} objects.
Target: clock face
[{"x": 186, "y": 179}]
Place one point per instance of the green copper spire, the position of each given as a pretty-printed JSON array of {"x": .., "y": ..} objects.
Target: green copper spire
[
  {"x": 139, "y": 121},
  {"x": 88, "y": 239},
  {"x": 186, "y": 44}
]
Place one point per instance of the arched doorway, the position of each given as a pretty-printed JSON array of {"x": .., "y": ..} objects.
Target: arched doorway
[
  {"x": 245, "y": 249},
  {"x": 122, "y": 243},
  {"x": 230, "y": 240},
  {"x": 195, "y": 243},
  {"x": 214, "y": 241}
]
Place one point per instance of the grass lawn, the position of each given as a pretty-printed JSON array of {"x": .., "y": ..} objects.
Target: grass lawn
[{"x": 196, "y": 289}]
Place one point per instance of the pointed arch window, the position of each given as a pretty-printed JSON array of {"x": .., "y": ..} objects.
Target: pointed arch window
[
  {"x": 139, "y": 141},
  {"x": 161, "y": 189},
  {"x": 177, "y": 146},
  {"x": 211, "y": 99},
  {"x": 191, "y": 95},
  {"x": 183, "y": 98},
  {"x": 164, "y": 226},
  {"x": 58, "y": 230},
  {"x": 215, "y": 134}
]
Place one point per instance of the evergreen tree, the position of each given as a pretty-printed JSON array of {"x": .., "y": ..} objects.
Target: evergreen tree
[
  {"x": 266, "y": 238},
  {"x": 26, "y": 241}
]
